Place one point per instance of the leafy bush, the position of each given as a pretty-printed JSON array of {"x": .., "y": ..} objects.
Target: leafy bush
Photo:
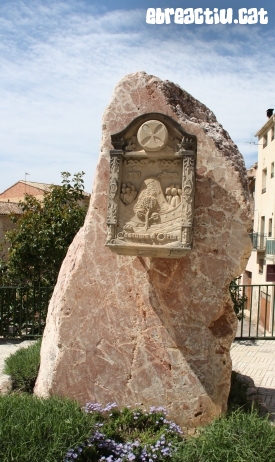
[
  {"x": 23, "y": 366},
  {"x": 238, "y": 299},
  {"x": 45, "y": 229},
  {"x": 239, "y": 437},
  {"x": 40, "y": 430}
]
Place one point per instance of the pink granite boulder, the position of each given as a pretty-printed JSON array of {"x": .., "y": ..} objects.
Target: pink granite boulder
[{"x": 155, "y": 331}]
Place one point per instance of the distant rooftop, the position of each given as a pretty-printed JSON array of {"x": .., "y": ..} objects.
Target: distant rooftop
[
  {"x": 45, "y": 187},
  {"x": 6, "y": 208},
  {"x": 42, "y": 186}
]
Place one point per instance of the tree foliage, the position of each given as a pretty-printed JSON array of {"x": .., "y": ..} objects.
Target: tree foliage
[
  {"x": 44, "y": 232},
  {"x": 146, "y": 205}
]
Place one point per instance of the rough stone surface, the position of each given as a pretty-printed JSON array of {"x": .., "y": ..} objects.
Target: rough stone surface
[{"x": 153, "y": 330}]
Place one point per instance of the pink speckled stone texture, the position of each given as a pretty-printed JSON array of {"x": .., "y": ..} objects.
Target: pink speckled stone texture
[{"x": 151, "y": 330}]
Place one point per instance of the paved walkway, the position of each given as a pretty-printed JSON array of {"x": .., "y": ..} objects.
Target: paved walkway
[{"x": 256, "y": 359}]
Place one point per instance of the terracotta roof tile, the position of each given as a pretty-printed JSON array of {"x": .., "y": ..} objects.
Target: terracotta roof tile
[
  {"x": 6, "y": 208},
  {"x": 43, "y": 186}
]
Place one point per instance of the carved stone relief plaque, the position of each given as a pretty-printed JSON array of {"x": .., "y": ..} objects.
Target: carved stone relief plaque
[{"x": 151, "y": 189}]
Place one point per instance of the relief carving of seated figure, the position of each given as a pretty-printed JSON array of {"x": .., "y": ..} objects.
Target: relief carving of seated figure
[
  {"x": 128, "y": 193},
  {"x": 123, "y": 190},
  {"x": 173, "y": 195},
  {"x": 168, "y": 195},
  {"x": 175, "y": 198}
]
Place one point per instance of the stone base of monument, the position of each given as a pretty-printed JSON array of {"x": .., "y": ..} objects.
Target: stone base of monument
[{"x": 153, "y": 324}]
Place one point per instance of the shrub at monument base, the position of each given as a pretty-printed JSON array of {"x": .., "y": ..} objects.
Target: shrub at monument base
[
  {"x": 57, "y": 430},
  {"x": 23, "y": 366}
]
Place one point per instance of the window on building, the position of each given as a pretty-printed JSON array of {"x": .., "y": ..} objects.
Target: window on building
[
  {"x": 270, "y": 227},
  {"x": 272, "y": 133},
  {"x": 247, "y": 277},
  {"x": 264, "y": 175},
  {"x": 272, "y": 170},
  {"x": 261, "y": 265},
  {"x": 265, "y": 140},
  {"x": 262, "y": 240},
  {"x": 270, "y": 273},
  {"x": 262, "y": 225}
]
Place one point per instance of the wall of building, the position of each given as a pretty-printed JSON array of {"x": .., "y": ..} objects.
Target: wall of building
[
  {"x": 264, "y": 205},
  {"x": 17, "y": 192},
  {"x": 5, "y": 225},
  {"x": 262, "y": 192}
]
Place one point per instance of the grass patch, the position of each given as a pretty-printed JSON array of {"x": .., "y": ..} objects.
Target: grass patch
[
  {"x": 238, "y": 437},
  {"x": 23, "y": 367},
  {"x": 57, "y": 430},
  {"x": 36, "y": 430}
]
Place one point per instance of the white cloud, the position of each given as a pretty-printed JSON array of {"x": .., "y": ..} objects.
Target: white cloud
[{"x": 59, "y": 65}]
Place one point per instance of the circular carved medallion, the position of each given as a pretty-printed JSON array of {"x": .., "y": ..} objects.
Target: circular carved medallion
[{"x": 152, "y": 135}]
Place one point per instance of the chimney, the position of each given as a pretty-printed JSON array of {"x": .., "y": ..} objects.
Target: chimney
[{"x": 269, "y": 113}]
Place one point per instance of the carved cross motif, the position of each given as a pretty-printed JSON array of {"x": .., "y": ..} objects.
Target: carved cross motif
[{"x": 152, "y": 135}]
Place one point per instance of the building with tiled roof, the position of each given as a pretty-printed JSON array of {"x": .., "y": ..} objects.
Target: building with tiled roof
[{"x": 17, "y": 192}]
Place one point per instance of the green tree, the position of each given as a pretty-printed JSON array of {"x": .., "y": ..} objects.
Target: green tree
[{"x": 44, "y": 232}]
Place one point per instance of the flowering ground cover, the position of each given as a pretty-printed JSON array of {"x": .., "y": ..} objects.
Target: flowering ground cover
[{"x": 127, "y": 435}]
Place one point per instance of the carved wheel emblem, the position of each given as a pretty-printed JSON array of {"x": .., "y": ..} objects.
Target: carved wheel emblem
[{"x": 152, "y": 135}]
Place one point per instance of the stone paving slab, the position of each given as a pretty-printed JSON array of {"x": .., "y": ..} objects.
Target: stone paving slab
[
  {"x": 257, "y": 360},
  {"x": 8, "y": 347}
]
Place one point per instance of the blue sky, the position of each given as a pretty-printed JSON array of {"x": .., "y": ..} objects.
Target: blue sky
[{"x": 60, "y": 61}]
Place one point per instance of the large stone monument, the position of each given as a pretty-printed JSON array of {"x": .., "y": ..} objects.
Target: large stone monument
[{"x": 141, "y": 311}]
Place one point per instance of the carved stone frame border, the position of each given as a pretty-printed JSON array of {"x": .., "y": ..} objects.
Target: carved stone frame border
[{"x": 186, "y": 150}]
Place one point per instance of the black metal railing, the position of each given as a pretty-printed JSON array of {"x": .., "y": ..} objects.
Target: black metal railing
[
  {"x": 258, "y": 241},
  {"x": 23, "y": 311},
  {"x": 256, "y": 310}
]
